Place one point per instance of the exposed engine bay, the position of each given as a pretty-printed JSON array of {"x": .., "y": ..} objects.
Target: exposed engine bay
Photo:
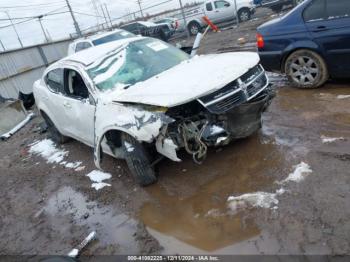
[{"x": 235, "y": 114}]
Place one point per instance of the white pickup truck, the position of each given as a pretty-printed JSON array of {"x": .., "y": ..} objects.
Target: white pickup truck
[{"x": 219, "y": 11}]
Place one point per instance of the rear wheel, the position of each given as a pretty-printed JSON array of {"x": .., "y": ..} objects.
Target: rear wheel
[
  {"x": 55, "y": 135},
  {"x": 306, "y": 69},
  {"x": 194, "y": 28},
  {"x": 138, "y": 161},
  {"x": 244, "y": 15}
]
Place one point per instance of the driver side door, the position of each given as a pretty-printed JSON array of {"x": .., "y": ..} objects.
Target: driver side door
[{"x": 223, "y": 11}]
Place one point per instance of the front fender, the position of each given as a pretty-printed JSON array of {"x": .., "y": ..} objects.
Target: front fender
[{"x": 141, "y": 124}]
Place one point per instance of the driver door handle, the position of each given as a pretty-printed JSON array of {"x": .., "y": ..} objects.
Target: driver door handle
[{"x": 320, "y": 28}]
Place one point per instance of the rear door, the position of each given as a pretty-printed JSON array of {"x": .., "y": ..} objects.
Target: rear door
[
  {"x": 331, "y": 31},
  {"x": 78, "y": 107}
]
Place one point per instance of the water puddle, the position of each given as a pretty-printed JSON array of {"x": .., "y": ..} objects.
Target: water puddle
[
  {"x": 197, "y": 214},
  {"x": 111, "y": 227}
]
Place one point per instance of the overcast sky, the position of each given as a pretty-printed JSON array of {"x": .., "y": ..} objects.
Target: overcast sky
[{"x": 61, "y": 25}]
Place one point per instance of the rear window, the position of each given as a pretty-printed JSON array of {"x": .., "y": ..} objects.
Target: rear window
[
  {"x": 338, "y": 9},
  {"x": 113, "y": 37},
  {"x": 315, "y": 11},
  {"x": 82, "y": 46}
]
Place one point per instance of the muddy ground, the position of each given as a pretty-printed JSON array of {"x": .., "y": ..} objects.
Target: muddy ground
[{"x": 48, "y": 209}]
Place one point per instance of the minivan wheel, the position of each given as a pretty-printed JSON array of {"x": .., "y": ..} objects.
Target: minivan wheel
[
  {"x": 54, "y": 134},
  {"x": 244, "y": 15},
  {"x": 138, "y": 161},
  {"x": 306, "y": 69},
  {"x": 194, "y": 28}
]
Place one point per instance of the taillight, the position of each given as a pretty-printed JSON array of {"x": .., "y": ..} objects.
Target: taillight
[{"x": 260, "y": 41}]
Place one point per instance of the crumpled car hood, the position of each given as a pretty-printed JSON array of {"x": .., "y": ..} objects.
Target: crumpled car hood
[{"x": 189, "y": 80}]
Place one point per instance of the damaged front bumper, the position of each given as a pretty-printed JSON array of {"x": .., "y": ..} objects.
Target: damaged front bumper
[{"x": 233, "y": 112}]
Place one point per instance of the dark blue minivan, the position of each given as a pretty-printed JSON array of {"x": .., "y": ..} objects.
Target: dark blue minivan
[{"x": 310, "y": 43}]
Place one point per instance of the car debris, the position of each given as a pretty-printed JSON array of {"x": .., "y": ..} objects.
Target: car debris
[
  {"x": 13, "y": 117},
  {"x": 75, "y": 252},
  {"x": 140, "y": 98}
]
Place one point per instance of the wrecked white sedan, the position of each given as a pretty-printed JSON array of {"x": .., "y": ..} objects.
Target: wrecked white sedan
[{"x": 140, "y": 99}]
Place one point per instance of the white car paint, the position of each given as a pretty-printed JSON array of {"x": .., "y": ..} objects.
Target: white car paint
[
  {"x": 189, "y": 80},
  {"x": 88, "y": 120},
  {"x": 89, "y": 41}
]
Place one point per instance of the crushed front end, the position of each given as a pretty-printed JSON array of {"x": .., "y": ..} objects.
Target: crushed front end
[{"x": 231, "y": 113}]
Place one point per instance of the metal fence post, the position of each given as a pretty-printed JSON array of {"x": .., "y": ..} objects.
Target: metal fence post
[{"x": 43, "y": 56}]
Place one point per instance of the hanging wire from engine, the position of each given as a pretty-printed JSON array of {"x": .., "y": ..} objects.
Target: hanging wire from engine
[{"x": 190, "y": 131}]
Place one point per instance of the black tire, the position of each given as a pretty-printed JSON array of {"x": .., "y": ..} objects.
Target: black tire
[
  {"x": 163, "y": 36},
  {"x": 277, "y": 8},
  {"x": 244, "y": 15},
  {"x": 306, "y": 69},
  {"x": 194, "y": 28},
  {"x": 138, "y": 161},
  {"x": 54, "y": 134}
]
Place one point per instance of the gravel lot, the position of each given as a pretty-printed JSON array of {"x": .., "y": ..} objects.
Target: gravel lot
[{"x": 47, "y": 208}]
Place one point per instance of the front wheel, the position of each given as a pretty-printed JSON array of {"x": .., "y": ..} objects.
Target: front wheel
[
  {"x": 306, "y": 69},
  {"x": 244, "y": 15},
  {"x": 138, "y": 161}
]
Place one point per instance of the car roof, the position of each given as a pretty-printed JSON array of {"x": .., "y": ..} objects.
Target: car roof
[
  {"x": 145, "y": 23},
  {"x": 90, "y": 55},
  {"x": 99, "y": 35}
]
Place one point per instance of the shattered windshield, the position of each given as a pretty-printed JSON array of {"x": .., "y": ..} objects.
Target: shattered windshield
[{"x": 139, "y": 61}]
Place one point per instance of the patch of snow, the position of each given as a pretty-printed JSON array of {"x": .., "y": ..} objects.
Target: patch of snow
[
  {"x": 73, "y": 165},
  {"x": 47, "y": 149},
  {"x": 98, "y": 177},
  {"x": 327, "y": 140},
  {"x": 280, "y": 191},
  {"x": 100, "y": 185},
  {"x": 258, "y": 199},
  {"x": 79, "y": 169},
  {"x": 214, "y": 213},
  {"x": 129, "y": 147},
  {"x": 343, "y": 96},
  {"x": 301, "y": 171}
]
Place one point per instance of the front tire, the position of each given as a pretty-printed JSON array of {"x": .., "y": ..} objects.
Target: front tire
[
  {"x": 306, "y": 69},
  {"x": 244, "y": 15},
  {"x": 138, "y": 161}
]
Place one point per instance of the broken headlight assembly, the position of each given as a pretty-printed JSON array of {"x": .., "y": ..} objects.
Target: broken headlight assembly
[{"x": 156, "y": 109}]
